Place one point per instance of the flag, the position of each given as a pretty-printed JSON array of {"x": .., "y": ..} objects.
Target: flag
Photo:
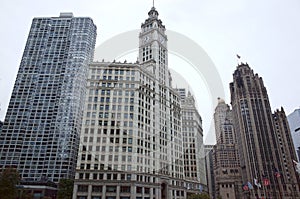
[
  {"x": 245, "y": 187},
  {"x": 297, "y": 166},
  {"x": 266, "y": 181},
  {"x": 257, "y": 183},
  {"x": 250, "y": 186},
  {"x": 201, "y": 188},
  {"x": 239, "y": 57},
  {"x": 295, "y": 162},
  {"x": 277, "y": 174}
]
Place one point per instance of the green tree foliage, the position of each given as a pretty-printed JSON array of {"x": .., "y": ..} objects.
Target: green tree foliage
[
  {"x": 9, "y": 178},
  {"x": 199, "y": 196},
  {"x": 65, "y": 189}
]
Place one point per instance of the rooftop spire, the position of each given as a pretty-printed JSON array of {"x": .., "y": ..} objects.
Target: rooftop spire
[{"x": 153, "y": 13}]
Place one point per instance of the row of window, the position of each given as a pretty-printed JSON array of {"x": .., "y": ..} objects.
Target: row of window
[
  {"x": 113, "y": 71},
  {"x": 113, "y": 189}
]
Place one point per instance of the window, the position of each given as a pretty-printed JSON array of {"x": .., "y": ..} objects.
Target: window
[
  {"x": 111, "y": 189},
  {"x": 82, "y": 188},
  {"x": 125, "y": 189},
  {"x": 146, "y": 190},
  {"x": 97, "y": 189},
  {"x": 139, "y": 189}
]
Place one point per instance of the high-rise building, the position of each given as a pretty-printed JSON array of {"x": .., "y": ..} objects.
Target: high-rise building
[
  {"x": 131, "y": 143},
  {"x": 193, "y": 147},
  {"x": 225, "y": 154},
  {"x": 294, "y": 123},
  {"x": 40, "y": 135},
  {"x": 264, "y": 140}
]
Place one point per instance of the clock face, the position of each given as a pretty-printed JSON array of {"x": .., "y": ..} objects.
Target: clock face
[
  {"x": 146, "y": 39},
  {"x": 161, "y": 39}
]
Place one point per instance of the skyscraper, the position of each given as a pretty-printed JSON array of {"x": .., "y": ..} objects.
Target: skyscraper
[
  {"x": 194, "y": 162},
  {"x": 40, "y": 136},
  {"x": 225, "y": 154},
  {"x": 264, "y": 140},
  {"x": 131, "y": 144},
  {"x": 294, "y": 123}
]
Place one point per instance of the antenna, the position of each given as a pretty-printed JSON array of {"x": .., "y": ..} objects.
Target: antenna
[{"x": 153, "y": 3}]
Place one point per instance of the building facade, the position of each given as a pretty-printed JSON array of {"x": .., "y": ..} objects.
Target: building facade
[
  {"x": 225, "y": 155},
  {"x": 294, "y": 123},
  {"x": 193, "y": 147},
  {"x": 1, "y": 125},
  {"x": 210, "y": 177},
  {"x": 263, "y": 138},
  {"x": 40, "y": 135},
  {"x": 131, "y": 144}
]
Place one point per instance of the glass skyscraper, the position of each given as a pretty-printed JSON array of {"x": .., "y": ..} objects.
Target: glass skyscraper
[
  {"x": 294, "y": 123},
  {"x": 41, "y": 131}
]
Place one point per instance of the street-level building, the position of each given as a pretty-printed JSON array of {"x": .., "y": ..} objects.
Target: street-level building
[{"x": 210, "y": 177}]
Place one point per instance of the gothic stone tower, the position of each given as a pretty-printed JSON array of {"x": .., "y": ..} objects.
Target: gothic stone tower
[{"x": 259, "y": 139}]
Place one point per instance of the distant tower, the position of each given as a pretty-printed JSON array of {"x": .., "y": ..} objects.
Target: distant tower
[
  {"x": 41, "y": 130},
  {"x": 193, "y": 147},
  {"x": 226, "y": 161},
  {"x": 263, "y": 139}
]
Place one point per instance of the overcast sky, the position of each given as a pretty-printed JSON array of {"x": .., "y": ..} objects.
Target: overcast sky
[{"x": 264, "y": 33}]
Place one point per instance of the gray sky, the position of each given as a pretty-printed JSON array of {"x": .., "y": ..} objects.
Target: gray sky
[{"x": 265, "y": 34}]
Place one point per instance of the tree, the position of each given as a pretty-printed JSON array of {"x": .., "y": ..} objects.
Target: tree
[
  {"x": 65, "y": 189},
  {"x": 199, "y": 196},
  {"x": 9, "y": 178}
]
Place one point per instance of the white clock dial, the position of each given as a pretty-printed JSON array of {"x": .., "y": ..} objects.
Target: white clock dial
[
  {"x": 146, "y": 39},
  {"x": 161, "y": 39}
]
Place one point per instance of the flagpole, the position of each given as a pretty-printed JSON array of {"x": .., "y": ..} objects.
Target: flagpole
[
  {"x": 265, "y": 187},
  {"x": 280, "y": 194},
  {"x": 265, "y": 192},
  {"x": 296, "y": 171},
  {"x": 238, "y": 59}
]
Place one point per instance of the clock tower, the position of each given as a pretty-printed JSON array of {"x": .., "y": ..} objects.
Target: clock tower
[{"x": 153, "y": 52}]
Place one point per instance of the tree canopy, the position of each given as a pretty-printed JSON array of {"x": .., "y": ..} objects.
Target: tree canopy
[
  {"x": 9, "y": 178},
  {"x": 199, "y": 196},
  {"x": 65, "y": 189}
]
